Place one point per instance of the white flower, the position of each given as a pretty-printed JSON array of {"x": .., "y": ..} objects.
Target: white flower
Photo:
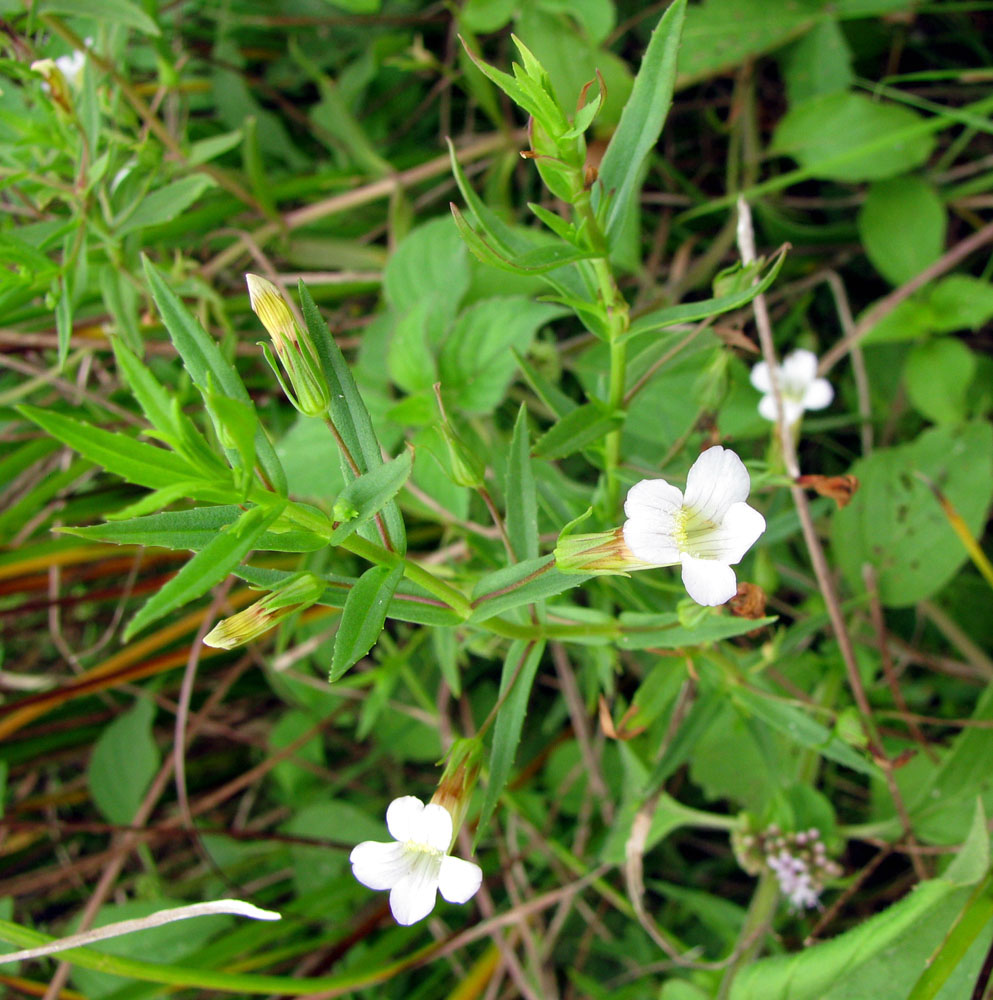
[
  {"x": 707, "y": 531},
  {"x": 799, "y": 387},
  {"x": 72, "y": 64},
  {"x": 418, "y": 864}
]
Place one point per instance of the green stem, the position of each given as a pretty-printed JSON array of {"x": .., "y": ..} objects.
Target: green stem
[{"x": 759, "y": 917}]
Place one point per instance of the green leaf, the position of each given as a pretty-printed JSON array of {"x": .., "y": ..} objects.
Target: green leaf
[
  {"x": 516, "y": 680},
  {"x": 690, "y": 312},
  {"x": 364, "y": 497},
  {"x": 850, "y": 137},
  {"x": 818, "y": 63},
  {"x": 537, "y": 260},
  {"x": 522, "y": 504},
  {"x": 114, "y": 12},
  {"x": 550, "y": 394},
  {"x": 523, "y": 583},
  {"x": 800, "y": 728},
  {"x": 363, "y": 617},
  {"x": 902, "y": 225},
  {"x": 349, "y": 413},
  {"x": 895, "y": 523},
  {"x": 958, "y": 302},
  {"x": 577, "y": 430},
  {"x": 193, "y": 530},
  {"x": 664, "y": 631},
  {"x": 135, "y": 461},
  {"x": 938, "y": 374},
  {"x": 208, "y": 567},
  {"x": 477, "y": 361},
  {"x": 204, "y": 361},
  {"x": 165, "y": 204},
  {"x": 125, "y": 759},
  {"x": 642, "y": 119},
  {"x": 879, "y": 958}
]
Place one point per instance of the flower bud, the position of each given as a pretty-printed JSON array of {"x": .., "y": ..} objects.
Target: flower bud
[
  {"x": 604, "y": 553},
  {"x": 458, "y": 780},
  {"x": 57, "y": 84},
  {"x": 304, "y": 385},
  {"x": 295, "y": 594}
]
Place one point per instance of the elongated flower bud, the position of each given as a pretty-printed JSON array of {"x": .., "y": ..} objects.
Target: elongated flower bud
[
  {"x": 458, "y": 780},
  {"x": 296, "y": 594},
  {"x": 304, "y": 384}
]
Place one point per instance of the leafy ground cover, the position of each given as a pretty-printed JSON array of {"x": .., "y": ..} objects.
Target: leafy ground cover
[{"x": 591, "y": 478}]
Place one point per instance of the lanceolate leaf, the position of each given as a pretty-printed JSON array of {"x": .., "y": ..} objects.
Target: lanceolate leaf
[
  {"x": 208, "y": 567},
  {"x": 519, "y": 669},
  {"x": 135, "y": 461},
  {"x": 643, "y": 117},
  {"x": 690, "y": 312},
  {"x": 522, "y": 505},
  {"x": 193, "y": 530},
  {"x": 363, "y": 617},
  {"x": 577, "y": 430},
  {"x": 204, "y": 361},
  {"x": 522, "y": 583},
  {"x": 348, "y": 412},
  {"x": 370, "y": 493}
]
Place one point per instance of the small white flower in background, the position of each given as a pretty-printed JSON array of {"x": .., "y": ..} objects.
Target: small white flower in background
[
  {"x": 417, "y": 865},
  {"x": 799, "y": 387},
  {"x": 71, "y": 65},
  {"x": 707, "y": 531}
]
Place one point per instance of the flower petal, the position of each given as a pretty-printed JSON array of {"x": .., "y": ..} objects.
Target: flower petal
[
  {"x": 731, "y": 539},
  {"x": 799, "y": 370},
  {"x": 653, "y": 499},
  {"x": 403, "y": 817},
  {"x": 708, "y": 581},
  {"x": 434, "y": 828},
  {"x": 413, "y": 897},
  {"x": 767, "y": 408},
  {"x": 717, "y": 479},
  {"x": 818, "y": 395},
  {"x": 652, "y": 507},
  {"x": 379, "y": 866},
  {"x": 458, "y": 880},
  {"x": 760, "y": 377}
]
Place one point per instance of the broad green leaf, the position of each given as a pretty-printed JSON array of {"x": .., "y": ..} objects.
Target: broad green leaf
[
  {"x": 522, "y": 583},
  {"x": 642, "y": 119},
  {"x": 850, "y": 137},
  {"x": 550, "y": 394},
  {"x": 690, "y": 312},
  {"x": 166, "y": 203},
  {"x": 721, "y": 35},
  {"x": 193, "y": 530},
  {"x": 363, "y": 617},
  {"x": 208, "y": 567},
  {"x": 477, "y": 361},
  {"x": 800, "y": 728},
  {"x": 881, "y": 957},
  {"x": 349, "y": 413},
  {"x": 364, "y": 497},
  {"x": 204, "y": 361},
  {"x": 818, "y": 63},
  {"x": 125, "y": 759},
  {"x": 937, "y": 374},
  {"x": 135, "y": 461},
  {"x": 486, "y": 16},
  {"x": 519, "y": 669},
  {"x": 114, "y": 12},
  {"x": 579, "y": 429},
  {"x": 522, "y": 506},
  {"x": 894, "y": 521},
  {"x": 429, "y": 263},
  {"x": 902, "y": 225},
  {"x": 958, "y": 302}
]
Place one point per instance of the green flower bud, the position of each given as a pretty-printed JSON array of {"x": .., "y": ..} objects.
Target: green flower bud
[
  {"x": 304, "y": 384},
  {"x": 462, "y": 767},
  {"x": 296, "y": 594}
]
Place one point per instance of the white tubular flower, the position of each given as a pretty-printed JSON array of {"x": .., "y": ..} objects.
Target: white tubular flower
[
  {"x": 418, "y": 864},
  {"x": 799, "y": 387},
  {"x": 707, "y": 531}
]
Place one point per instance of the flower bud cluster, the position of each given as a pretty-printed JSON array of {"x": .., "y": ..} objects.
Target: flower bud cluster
[{"x": 798, "y": 860}]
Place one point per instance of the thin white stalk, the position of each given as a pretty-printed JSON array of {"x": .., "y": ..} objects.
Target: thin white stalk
[{"x": 234, "y": 906}]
